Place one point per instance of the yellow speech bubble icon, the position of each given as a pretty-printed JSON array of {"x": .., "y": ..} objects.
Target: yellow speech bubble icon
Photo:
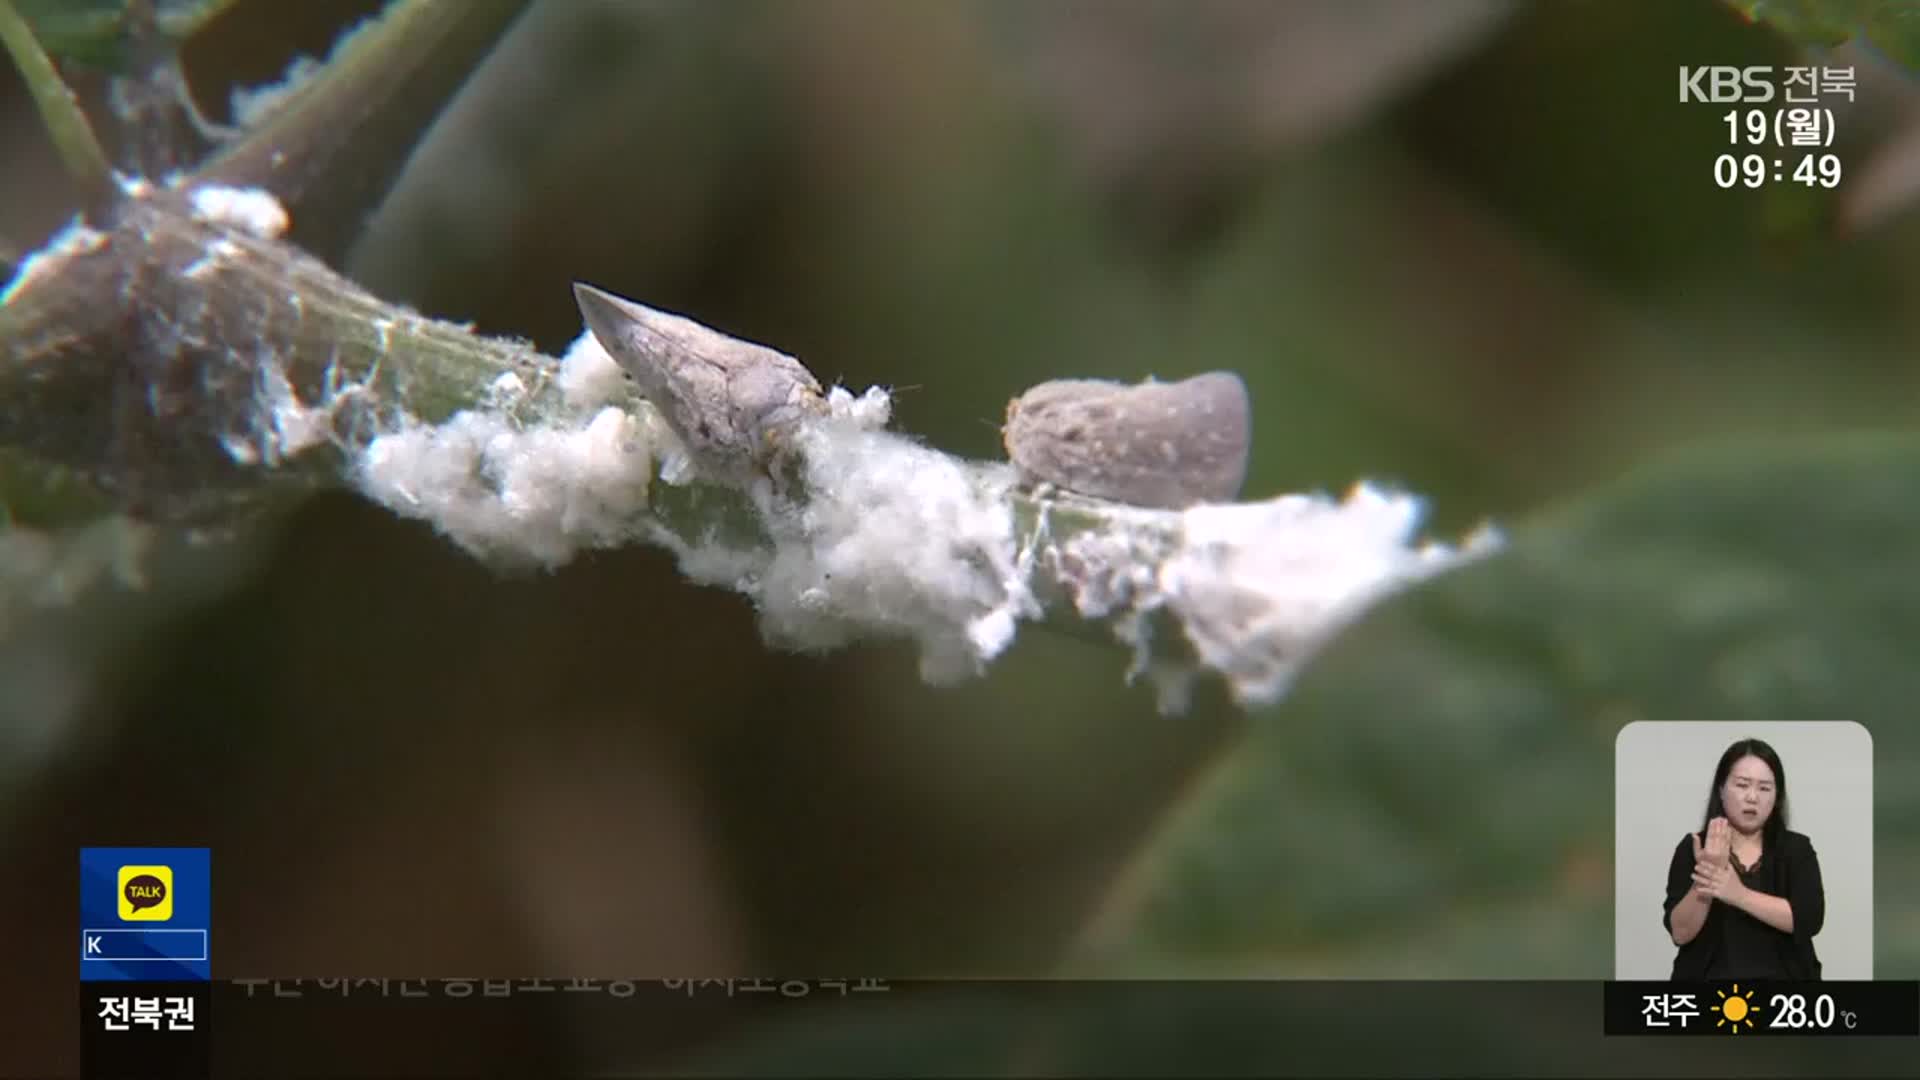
[{"x": 146, "y": 893}]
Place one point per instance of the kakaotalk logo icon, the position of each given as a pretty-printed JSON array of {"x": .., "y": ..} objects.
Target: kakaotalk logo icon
[{"x": 146, "y": 893}]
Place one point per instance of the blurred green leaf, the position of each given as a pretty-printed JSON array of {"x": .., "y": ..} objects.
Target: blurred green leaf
[
  {"x": 1435, "y": 797},
  {"x": 93, "y": 32},
  {"x": 1892, "y": 26}
]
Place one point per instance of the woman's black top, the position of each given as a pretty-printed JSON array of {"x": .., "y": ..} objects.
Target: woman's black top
[{"x": 1733, "y": 944}]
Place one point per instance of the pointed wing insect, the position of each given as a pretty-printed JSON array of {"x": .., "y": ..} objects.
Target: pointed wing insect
[{"x": 728, "y": 400}]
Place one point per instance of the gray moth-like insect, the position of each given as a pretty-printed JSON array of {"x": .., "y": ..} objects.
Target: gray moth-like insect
[
  {"x": 728, "y": 400},
  {"x": 1160, "y": 444}
]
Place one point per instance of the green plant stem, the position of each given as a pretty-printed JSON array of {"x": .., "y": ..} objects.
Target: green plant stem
[{"x": 72, "y": 134}]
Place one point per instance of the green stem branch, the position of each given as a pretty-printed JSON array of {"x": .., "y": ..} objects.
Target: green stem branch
[{"x": 60, "y": 111}]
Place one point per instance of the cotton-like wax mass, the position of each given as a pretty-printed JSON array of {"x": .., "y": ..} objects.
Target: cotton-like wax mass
[{"x": 1159, "y": 444}]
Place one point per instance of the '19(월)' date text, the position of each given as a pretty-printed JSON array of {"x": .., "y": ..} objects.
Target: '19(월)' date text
[{"x": 1781, "y": 127}]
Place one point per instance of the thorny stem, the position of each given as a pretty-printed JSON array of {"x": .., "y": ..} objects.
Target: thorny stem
[
  {"x": 207, "y": 334},
  {"x": 101, "y": 326},
  {"x": 132, "y": 410},
  {"x": 150, "y": 360}
]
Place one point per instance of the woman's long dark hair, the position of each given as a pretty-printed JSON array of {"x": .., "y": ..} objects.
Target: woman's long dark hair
[{"x": 1776, "y": 821}]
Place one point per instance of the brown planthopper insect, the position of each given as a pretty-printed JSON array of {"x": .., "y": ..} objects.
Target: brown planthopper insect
[
  {"x": 1158, "y": 444},
  {"x": 730, "y": 401}
]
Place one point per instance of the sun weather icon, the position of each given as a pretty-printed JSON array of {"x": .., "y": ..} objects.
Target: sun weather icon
[{"x": 1735, "y": 1009}]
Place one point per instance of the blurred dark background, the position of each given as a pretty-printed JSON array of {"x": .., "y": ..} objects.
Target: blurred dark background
[{"x": 1464, "y": 246}]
